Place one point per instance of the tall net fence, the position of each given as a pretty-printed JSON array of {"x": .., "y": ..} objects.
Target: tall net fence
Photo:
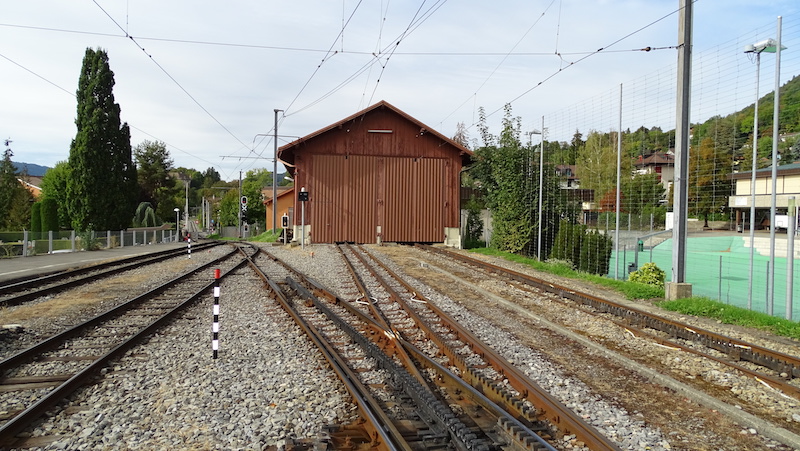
[{"x": 604, "y": 203}]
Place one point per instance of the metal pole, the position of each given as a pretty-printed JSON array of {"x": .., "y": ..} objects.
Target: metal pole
[
  {"x": 790, "y": 256},
  {"x": 302, "y": 222},
  {"x": 541, "y": 183},
  {"x": 719, "y": 288},
  {"x": 773, "y": 197},
  {"x": 186, "y": 206},
  {"x": 680, "y": 201},
  {"x": 616, "y": 208},
  {"x": 275, "y": 177},
  {"x": 215, "y": 318},
  {"x": 239, "y": 201},
  {"x": 753, "y": 187}
]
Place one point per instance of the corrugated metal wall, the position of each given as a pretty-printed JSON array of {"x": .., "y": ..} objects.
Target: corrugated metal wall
[
  {"x": 343, "y": 191},
  {"x": 414, "y": 189},
  {"x": 352, "y": 196}
]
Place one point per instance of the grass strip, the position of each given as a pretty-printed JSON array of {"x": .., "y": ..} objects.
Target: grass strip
[{"x": 695, "y": 306}]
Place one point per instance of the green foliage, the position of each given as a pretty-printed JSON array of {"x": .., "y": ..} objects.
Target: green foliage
[
  {"x": 474, "y": 226},
  {"x": 729, "y": 314},
  {"x": 631, "y": 290},
  {"x": 54, "y": 187},
  {"x": 567, "y": 244},
  {"x": 597, "y": 162},
  {"x": 156, "y": 185},
  {"x": 503, "y": 170},
  {"x": 253, "y": 184},
  {"x": 145, "y": 216},
  {"x": 15, "y": 199},
  {"x": 36, "y": 217},
  {"x": 87, "y": 241},
  {"x": 229, "y": 208},
  {"x": 49, "y": 214},
  {"x": 266, "y": 237},
  {"x": 101, "y": 185},
  {"x": 641, "y": 191},
  {"x": 595, "y": 253},
  {"x": 709, "y": 186},
  {"x": 649, "y": 274},
  {"x": 588, "y": 251}
]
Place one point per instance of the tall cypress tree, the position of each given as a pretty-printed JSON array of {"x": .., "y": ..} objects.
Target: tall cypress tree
[{"x": 101, "y": 187}]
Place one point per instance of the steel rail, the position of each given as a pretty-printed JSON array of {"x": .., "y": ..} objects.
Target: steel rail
[
  {"x": 82, "y": 275},
  {"x": 549, "y": 407},
  {"x": 22, "y": 420},
  {"x": 555, "y": 412},
  {"x": 436, "y": 413},
  {"x": 378, "y": 428},
  {"x": 772, "y": 381},
  {"x": 59, "y": 338},
  {"x": 488, "y": 396},
  {"x": 378, "y": 314},
  {"x": 735, "y": 348},
  {"x": 460, "y": 435}
]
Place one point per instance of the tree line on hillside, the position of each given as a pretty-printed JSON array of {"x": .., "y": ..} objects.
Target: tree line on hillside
[{"x": 108, "y": 185}]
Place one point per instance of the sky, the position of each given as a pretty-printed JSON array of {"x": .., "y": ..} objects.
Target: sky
[{"x": 206, "y": 77}]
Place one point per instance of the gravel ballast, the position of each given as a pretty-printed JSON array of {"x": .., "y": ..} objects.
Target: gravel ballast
[{"x": 270, "y": 385}]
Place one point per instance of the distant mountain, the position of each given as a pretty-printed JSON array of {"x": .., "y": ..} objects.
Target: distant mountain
[{"x": 33, "y": 170}]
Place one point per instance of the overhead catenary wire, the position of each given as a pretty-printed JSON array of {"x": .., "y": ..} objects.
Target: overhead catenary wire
[
  {"x": 375, "y": 59},
  {"x": 72, "y": 94},
  {"x": 601, "y": 49},
  {"x": 171, "y": 77}
]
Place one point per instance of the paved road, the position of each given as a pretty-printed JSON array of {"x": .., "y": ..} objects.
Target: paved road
[{"x": 16, "y": 267}]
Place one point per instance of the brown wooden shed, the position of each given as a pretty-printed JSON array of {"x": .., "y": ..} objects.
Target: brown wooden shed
[{"x": 377, "y": 176}]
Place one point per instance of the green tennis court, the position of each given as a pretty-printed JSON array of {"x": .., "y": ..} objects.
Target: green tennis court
[{"x": 718, "y": 268}]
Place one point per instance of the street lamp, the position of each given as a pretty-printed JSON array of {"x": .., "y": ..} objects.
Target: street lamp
[
  {"x": 177, "y": 223},
  {"x": 769, "y": 46}
]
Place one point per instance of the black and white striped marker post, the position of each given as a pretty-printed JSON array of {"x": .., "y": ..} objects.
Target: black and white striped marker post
[
  {"x": 215, "y": 323},
  {"x": 190, "y": 246}
]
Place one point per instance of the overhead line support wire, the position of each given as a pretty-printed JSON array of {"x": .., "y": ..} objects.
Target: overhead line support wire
[
  {"x": 601, "y": 49},
  {"x": 170, "y": 76}
]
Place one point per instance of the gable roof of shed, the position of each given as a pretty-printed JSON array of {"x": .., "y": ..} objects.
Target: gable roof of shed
[{"x": 289, "y": 148}]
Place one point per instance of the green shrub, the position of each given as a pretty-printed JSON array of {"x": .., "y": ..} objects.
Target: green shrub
[
  {"x": 649, "y": 274},
  {"x": 595, "y": 253},
  {"x": 49, "y": 214},
  {"x": 568, "y": 242},
  {"x": 36, "y": 219},
  {"x": 87, "y": 241}
]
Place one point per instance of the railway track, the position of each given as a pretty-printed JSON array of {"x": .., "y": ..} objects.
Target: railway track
[
  {"x": 416, "y": 381},
  {"x": 774, "y": 368},
  {"x": 15, "y": 292},
  {"x": 453, "y": 369},
  {"x": 36, "y": 379}
]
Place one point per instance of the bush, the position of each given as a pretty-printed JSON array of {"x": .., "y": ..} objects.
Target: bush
[
  {"x": 36, "y": 219},
  {"x": 87, "y": 241},
  {"x": 568, "y": 242},
  {"x": 49, "y": 214},
  {"x": 595, "y": 253},
  {"x": 649, "y": 274}
]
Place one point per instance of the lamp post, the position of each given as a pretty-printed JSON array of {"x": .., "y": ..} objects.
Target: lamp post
[
  {"x": 769, "y": 46},
  {"x": 177, "y": 223},
  {"x": 541, "y": 181}
]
